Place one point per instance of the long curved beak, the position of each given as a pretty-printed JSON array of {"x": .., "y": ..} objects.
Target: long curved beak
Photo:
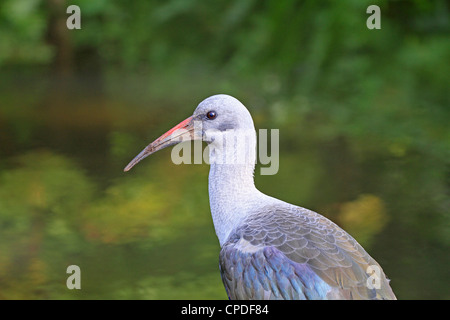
[{"x": 181, "y": 132}]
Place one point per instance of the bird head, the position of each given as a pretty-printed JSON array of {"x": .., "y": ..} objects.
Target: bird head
[{"x": 216, "y": 120}]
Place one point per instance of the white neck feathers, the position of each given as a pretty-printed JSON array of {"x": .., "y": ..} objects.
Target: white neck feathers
[{"x": 232, "y": 191}]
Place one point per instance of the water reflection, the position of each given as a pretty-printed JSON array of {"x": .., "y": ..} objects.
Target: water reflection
[{"x": 149, "y": 235}]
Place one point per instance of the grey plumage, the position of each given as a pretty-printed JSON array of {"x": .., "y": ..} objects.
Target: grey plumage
[
  {"x": 295, "y": 253},
  {"x": 270, "y": 249}
]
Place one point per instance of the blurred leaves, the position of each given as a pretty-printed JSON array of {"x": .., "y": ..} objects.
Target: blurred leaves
[
  {"x": 22, "y": 27},
  {"x": 363, "y": 118},
  {"x": 183, "y": 286},
  {"x": 47, "y": 200},
  {"x": 130, "y": 211},
  {"x": 44, "y": 184},
  {"x": 44, "y": 188},
  {"x": 363, "y": 218}
]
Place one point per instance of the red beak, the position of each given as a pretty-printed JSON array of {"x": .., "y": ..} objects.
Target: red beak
[{"x": 181, "y": 132}]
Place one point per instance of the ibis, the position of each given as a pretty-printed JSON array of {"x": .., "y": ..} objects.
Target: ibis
[{"x": 270, "y": 249}]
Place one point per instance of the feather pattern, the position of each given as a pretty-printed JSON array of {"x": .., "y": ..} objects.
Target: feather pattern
[
  {"x": 294, "y": 253},
  {"x": 270, "y": 249}
]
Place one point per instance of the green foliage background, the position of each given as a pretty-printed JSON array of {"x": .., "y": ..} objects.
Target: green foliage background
[{"x": 363, "y": 118}]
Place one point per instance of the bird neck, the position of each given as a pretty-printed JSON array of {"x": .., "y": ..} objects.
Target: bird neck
[{"x": 232, "y": 191}]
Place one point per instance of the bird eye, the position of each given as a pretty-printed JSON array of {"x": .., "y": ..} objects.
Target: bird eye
[{"x": 211, "y": 115}]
